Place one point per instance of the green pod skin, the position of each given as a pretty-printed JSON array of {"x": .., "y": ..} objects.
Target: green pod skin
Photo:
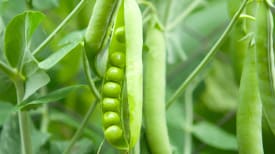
[
  {"x": 249, "y": 113},
  {"x": 238, "y": 45},
  {"x": 154, "y": 92},
  {"x": 99, "y": 23},
  {"x": 134, "y": 72},
  {"x": 265, "y": 61}
]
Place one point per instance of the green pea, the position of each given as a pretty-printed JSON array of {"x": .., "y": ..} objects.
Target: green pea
[
  {"x": 120, "y": 34},
  {"x": 114, "y": 74},
  {"x": 110, "y": 104},
  {"x": 117, "y": 59},
  {"x": 111, "y": 89},
  {"x": 110, "y": 118},
  {"x": 113, "y": 133}
]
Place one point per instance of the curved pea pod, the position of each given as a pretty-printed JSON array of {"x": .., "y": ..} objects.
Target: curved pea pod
[
  {"x": 265, "y": 61},
  {"x": 134, "y": 72},
  {"x": 124, "y": 73},
  {"x": 100, "y": 23},
  {"x": 154, "y": 92}
]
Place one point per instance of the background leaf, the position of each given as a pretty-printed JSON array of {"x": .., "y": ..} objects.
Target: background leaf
[
  {"x": 214, "y": 136},
  {"x": 51, "y": 97},
  {"x": 5, "y": 111}
]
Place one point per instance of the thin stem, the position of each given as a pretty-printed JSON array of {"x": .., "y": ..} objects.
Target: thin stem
[
  {"x": 188, "y": 119},
  {"x": 45, "y": 114},
  {"x": 23, "y": 120},
  {"x": 60, "y": 26},
  {"x": 184, "y": 14},
  {"x": 93, "y": 106},
  {"x": 87, "y": 72},
  {"x": 100, "y": 147},
  {"x": 81, "y": 128},
  {"x": 210, "y": 55}
]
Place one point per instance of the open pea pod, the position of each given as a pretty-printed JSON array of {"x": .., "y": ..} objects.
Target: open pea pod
[
  {"x": 265, "y": 61},
  {"x": 122, "y": 86}
]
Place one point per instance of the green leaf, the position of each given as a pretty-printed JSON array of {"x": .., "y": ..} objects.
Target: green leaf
[
  {"x": 214, "y": 136},
  {"x": 68, "y": 43},
  {"x": 43, "y": 5},
  {"x": 83, "y": 146},
  {"x": 5, "y": 111},
  {"x": 69, "y": 121},
  {"x": 10, "y": 137},
  {"x": 18, "y": 35},
  {"x": 39, "y": 140},
  {"x": 49, "y": 98},
  {"x": 34, "y": 82}
]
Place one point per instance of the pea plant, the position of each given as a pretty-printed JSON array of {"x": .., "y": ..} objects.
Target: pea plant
[{"x": 137, "y": 77}]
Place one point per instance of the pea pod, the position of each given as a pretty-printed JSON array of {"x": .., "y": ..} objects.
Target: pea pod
[
  {"x": 238, "y": 45},
  {"x": 265, "y": 61},
  {"x": 122, "y": 85},
  {"x": 154, "y": 92},
  {"x": 249, "y": 113},
  {"x": 134, "y": 81},
  {"x": 99, "y": 24}
]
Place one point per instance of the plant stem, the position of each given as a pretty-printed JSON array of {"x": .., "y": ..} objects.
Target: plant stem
[
  {"x": 60, "y": 26},
  {"x": 88, "y": 76},
  {"x": 188, "y": 120},
  {"x": 210, "y": 55},
  {"x": 184, "y": 14},
  {"x": 81, "y": 128},
  {"x": 45, "y": 114},
  {"x": 92, "y": 107},
  {"x": 23, "y": 120}
]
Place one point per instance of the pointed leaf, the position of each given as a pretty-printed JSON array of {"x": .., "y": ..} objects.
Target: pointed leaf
[
  {"x": 68, "y": 43},
  {"x": 34, "y": 82},
  {"x": 49, "y": 98},
  {"x": 18, "y": 34}
]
